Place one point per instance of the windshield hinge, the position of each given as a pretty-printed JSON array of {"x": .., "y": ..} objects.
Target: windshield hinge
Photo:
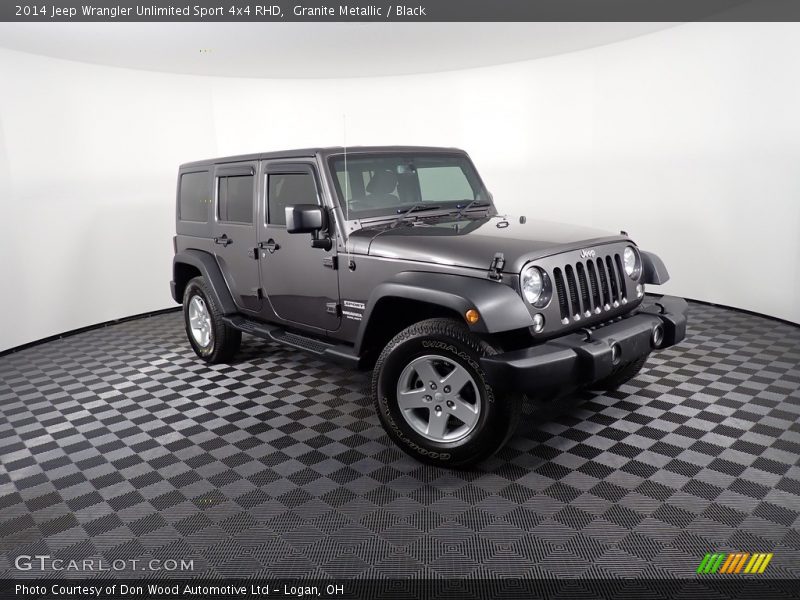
[
  {"x": 496, "y": 268},
  {"x": 332, "y": 262}
]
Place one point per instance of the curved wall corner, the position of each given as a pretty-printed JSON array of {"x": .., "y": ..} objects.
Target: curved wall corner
[
  {"x": 685, "y": 138},
  {"x": 89, "y": 157}
]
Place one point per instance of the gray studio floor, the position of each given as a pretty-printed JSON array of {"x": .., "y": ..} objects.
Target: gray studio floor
[{"x": 118, "y": 443}]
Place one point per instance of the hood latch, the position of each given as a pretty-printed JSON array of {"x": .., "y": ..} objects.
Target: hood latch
[{"x": 496, "y": 268}]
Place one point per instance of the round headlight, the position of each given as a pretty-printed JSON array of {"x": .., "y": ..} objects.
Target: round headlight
[
  {"x": 535, "y": 286},
  {"x": 631, "y": 262},
  {"x": 532, "y": 284}
]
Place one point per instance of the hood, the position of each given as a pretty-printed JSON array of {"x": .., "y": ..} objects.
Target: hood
[{"x": 472, "y": 243}]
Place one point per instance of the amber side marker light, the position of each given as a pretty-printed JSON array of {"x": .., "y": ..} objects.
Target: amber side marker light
[{"x": 472, "y": 316}]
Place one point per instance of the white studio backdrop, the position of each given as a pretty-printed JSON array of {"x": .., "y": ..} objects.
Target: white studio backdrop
[{"x": 688, "y": 138}]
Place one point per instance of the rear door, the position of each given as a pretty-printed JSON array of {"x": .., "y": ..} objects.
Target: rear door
[
  {"x": 234, "y": 232},
  {"x": 300, "y": 282}
]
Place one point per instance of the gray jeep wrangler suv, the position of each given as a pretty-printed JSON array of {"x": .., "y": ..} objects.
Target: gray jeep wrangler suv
[{"x": 395, "y": 259}]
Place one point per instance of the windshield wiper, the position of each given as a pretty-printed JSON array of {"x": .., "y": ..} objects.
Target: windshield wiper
[
  {"x": 470, "y": 204},
  {"x": 413, "y": 208}
]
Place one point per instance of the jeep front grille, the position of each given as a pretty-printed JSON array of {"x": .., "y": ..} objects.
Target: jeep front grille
[{"x": 588, "y": 287}]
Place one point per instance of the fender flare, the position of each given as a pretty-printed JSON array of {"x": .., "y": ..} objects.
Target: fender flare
[
  {"x": 501, "y": 308},
  {"x": 654, "y": 271},
  {"x": 209, "y": 269}
]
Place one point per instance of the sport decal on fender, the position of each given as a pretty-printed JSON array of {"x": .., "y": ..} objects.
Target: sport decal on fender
[{"x": 353, "y": 306}]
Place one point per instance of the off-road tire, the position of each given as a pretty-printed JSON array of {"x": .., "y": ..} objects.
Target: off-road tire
[
  {"x": 623, "y": 375},
  {"x": 225, "y": 340},
  {"x": 452, "y": 340}
]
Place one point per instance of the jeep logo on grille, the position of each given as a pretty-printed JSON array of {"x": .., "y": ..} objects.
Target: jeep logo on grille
[{"x": 587, "y": 253}]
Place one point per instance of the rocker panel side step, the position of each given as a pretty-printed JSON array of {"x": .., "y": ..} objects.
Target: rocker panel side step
[
  {"x": 338, "y": 352},
  {"x": 299, "y": 341}
]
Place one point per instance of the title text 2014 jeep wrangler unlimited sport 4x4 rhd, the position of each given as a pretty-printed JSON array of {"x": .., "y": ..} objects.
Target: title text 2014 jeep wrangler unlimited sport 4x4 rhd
[{"x": 394, "y": 258}]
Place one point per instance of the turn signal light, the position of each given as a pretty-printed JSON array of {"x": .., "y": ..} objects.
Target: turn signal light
[{"x": 472, "y": 316}]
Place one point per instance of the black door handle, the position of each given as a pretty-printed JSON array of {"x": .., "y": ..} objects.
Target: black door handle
[
  {"x": 269, "y": 245},
  {"x": 224, "y": 240}
]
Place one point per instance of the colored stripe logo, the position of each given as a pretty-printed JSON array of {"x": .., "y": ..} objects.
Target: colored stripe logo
[{"x": 736, "y": 562}]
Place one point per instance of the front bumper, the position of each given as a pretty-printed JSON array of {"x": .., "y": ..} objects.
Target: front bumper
[{"x": 583, "y": 357}]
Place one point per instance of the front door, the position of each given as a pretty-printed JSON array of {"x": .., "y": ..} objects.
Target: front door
[
  {"x": 234, "y": 231},
  {"x": 299, "y": 281}
]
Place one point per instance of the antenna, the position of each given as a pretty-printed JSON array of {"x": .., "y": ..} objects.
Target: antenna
[
  {"x": 346, "y": 172},
  {"x": 346, "y": 187}
]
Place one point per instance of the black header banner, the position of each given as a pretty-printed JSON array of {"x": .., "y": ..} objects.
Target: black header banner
[{"x": 410, "y": 11}]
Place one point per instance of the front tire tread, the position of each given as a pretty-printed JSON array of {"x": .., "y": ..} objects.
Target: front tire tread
[{"x": 500, "y": 424}]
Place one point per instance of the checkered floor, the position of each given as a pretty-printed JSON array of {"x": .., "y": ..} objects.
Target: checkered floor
[{"x": 119, "y": 444}]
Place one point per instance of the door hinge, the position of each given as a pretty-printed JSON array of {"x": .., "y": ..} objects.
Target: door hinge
[
  {"x": 260, "y": 293},
  {"x": 333, "y": 308},
  {"x": 332, "y": 262},
  {"x": 253, "y": 253},
  {"x": 496, "y": 268}
]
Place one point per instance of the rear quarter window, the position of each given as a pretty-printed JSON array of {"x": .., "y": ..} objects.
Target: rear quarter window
[
  {"x": 235, "y": 199},
  {"x": 193, "y": 197}
]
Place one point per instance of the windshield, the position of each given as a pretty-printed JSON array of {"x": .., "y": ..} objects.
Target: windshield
[{"x": 390, "y": 184}]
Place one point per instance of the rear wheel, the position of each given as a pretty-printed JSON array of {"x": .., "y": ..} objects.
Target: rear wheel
[
  {"x": 210, "y": 338},
  {"x": 433, "y": 397}
]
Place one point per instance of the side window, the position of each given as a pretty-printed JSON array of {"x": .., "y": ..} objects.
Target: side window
[
  {"x": 235, "y": 198},
  {"x": 193, "y": 197},
  {"x": 285, "y": 189}
]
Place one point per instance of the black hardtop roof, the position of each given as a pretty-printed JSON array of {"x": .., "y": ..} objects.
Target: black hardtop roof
[{"x": 324, "y": 152}]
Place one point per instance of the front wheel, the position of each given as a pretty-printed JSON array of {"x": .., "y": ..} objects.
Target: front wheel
[{"x": 433, "y": 397}]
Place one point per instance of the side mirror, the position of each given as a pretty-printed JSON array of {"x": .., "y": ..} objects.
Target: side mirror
[
  {"x": 305, "y": 218},
  {"x": 309, "y": 218}
]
